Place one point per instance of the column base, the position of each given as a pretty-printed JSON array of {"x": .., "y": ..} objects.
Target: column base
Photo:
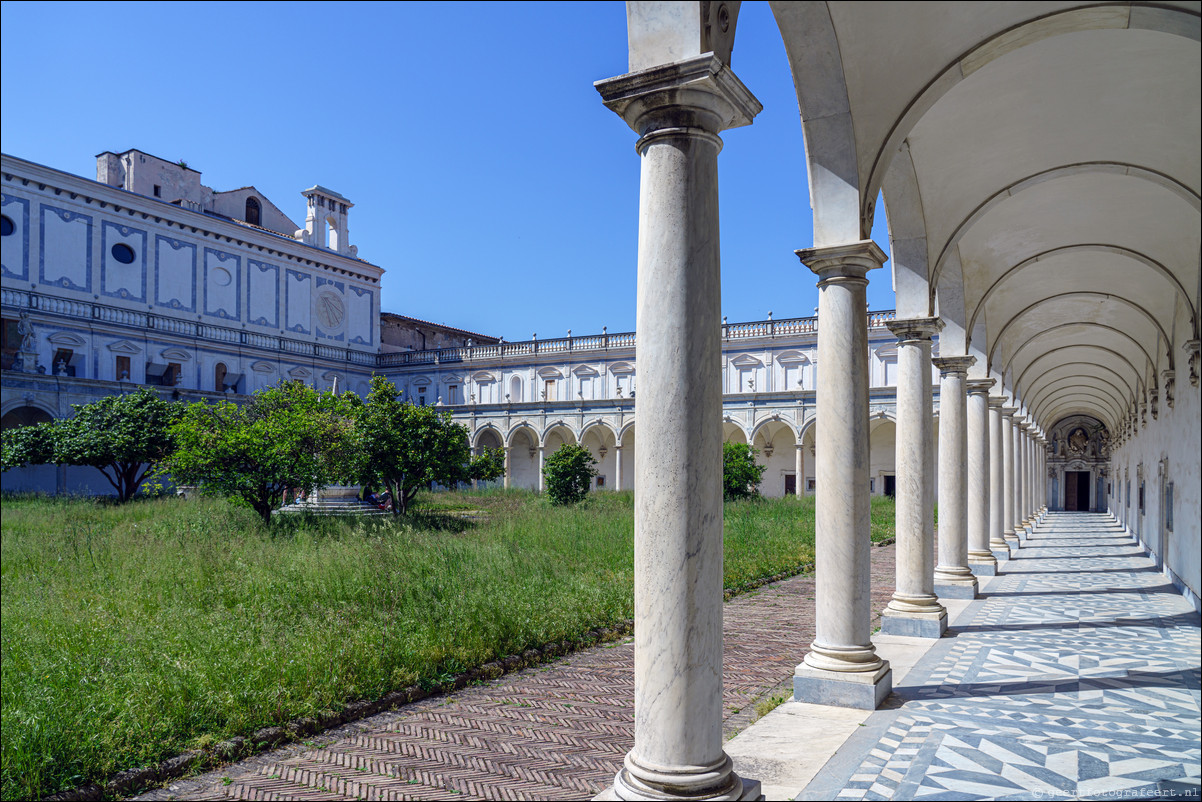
[
  {"x": 914, "y": 625},
  {"x": 635, "y": 782},
  {"x": 752, "y": 792},
  {"x": 983, "y": 566},
  {"x": 1001, "y": 554},
  {"x": 956, "y": 590},
  {"x": 862, "y": 690}
]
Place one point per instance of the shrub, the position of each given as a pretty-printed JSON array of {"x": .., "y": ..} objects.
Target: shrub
[
  {"x": 740, "y": 473},
  {"x": 569, "y": 472}
]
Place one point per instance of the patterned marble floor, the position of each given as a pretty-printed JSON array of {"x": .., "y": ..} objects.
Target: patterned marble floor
[{"x": 1075, "y": 676}]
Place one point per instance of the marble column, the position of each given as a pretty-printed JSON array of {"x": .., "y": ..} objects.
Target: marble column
[
  {"x": 1027, "y": 508},
  {"x": 617, "y": 468},
  {"x": 542, "y": 459},
  {"x": 1020, "y": 514},
  {"x": 914, "y": 609},
  {"x": 997, "y": 473},
  {"x": 678, "y": 109},
  {"x": 508, "y": 464},
  {"x": 980, "y": 558},
  {"x": 953, "y": 579},
  {"x": 799, "y": 470},
  {"x": 1008, "y": 476},
  {"x": 842, "y": 667}
]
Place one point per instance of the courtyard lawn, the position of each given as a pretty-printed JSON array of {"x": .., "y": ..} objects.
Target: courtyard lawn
[{"x": 131, "y": 633}]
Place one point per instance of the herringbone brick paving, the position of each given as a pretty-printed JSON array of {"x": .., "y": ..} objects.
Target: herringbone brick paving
[{"x": 554, "y": 731}]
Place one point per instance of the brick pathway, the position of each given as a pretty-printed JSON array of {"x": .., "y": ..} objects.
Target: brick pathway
[{"x": 554, "y": 731}]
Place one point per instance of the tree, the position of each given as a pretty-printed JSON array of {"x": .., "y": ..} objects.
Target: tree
[
  {"x": 122, "y": 436},
  {"x": 569, "y": 472},
  {"x": 287, "y": 436},
  {"x": 406, "y": 447},
  {"x": 487, "y": 465},
  {"x": 740, "y": 473}
]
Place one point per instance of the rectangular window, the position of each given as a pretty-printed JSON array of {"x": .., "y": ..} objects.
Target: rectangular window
[
  {"x": 158, "y": 191},
  {"x": 600, "y": 480},
  {"x": 421, "y": 396},
  {"x": 175, "y": 372},
  {"x": 810, "y": 485},
  {"x": 549, "y": 390},
  {"x": 453, "y": 394},
  {"x": 1141, "y": 498},
  {"x": 122, "y": 370},
  {"x": 11, "y": 343}
]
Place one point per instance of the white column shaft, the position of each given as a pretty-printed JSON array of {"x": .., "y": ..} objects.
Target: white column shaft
[
  {"x": 978, "y": 474},
  {"x": 799, "y": 470},
  {"x": 997, "y": 473},
  {"x": 1008, "y": 504}
]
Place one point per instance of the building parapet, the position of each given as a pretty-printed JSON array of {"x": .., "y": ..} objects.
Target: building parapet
[
  {"x": 757, "y": 329},
  {"x": 86, "y": 310}
]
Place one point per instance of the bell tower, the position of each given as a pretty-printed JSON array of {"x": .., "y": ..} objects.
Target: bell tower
[{"x": 326, "y": 221}]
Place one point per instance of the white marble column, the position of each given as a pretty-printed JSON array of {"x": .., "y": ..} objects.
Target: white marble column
[
  {"x": 542, "y": 459},
  {"x": 799, "y": 470},
  {"x": 953, "y": 579},
  {"x": 842, "y": 667},
  {"x": 1028, "y": 508},
  {"x": 678, "y": 109},
  {"x": 997, "y": 473},
  {"x": 914, "y": 610},
  {"x": 508, "y": 464},
  {"x": 618, "y": 467},
  {"x": 980, "y": 558},
  {"x": 1016, "y": 501},
  {"x": 1008, "y": 476}
]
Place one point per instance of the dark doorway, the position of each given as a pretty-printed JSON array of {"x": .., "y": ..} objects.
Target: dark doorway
[
  {"x": 891, "y": 486},
  {"x": 790, "y": 485},
  {"x": 1076, "y": 491}
]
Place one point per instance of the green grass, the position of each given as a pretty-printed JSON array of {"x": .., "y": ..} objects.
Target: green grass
[{"x": 133, "y": 633}]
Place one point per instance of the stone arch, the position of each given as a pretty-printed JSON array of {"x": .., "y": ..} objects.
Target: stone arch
[
  {"x": 25, "y": 412},
  {"x": 733, "y": 431},
  {"x": 557, "y": 429},
  {"x": 1057, "y": 23},
  {"x": 491, "y": 432}
]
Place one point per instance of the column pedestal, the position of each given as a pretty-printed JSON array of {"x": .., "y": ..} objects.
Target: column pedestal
[
  {"x": 842, "y": 667},
  {"x": 914, "y": 610}
]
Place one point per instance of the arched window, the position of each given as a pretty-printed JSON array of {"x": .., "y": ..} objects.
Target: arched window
[
  {"x": 219, "y": 372},
  {"x": 253, "y": 212}
]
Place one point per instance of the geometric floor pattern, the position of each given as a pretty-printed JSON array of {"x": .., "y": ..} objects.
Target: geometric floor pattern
[{"x": 1075, "y": 675}]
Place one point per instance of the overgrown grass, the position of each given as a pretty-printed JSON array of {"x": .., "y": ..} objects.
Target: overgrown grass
[{"x": 133, "y": 633}]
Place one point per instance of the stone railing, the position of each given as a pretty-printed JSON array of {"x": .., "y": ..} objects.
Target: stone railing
[
  {"x": 605, "y": 341},
  {"x": 83, "y": 310}
]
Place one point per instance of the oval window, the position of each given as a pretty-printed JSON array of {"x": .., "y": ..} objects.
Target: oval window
[
  {"x": 123, "y": 253},
  {"x": 6, "y": 226}
]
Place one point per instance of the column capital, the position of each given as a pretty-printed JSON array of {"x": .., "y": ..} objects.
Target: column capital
[
  {"x": 916, "y": 328},
  {"x": 996, "y": 401},
  {"x": 954, "y": 364},
  {"x": 697, "y": 93},
  {"x": 982, "y": 386},
  {"x": 1009, "y": 412},
  {"x": 851, "y": 261}
]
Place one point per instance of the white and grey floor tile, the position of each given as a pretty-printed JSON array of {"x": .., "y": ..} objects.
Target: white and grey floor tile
[{"x": 1075, "y": 676}]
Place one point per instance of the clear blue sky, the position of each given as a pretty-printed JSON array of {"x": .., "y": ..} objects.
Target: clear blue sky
[{"x": 488, "y": 179}]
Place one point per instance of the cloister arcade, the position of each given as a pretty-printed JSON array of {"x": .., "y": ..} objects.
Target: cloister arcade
[{"x": 1040, "y": 167}]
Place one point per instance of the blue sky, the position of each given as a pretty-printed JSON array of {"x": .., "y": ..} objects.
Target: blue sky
[{"x": 488, "y": 179}]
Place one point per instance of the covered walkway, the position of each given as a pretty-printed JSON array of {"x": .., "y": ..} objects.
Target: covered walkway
[{"x": 1074, "y": 675}]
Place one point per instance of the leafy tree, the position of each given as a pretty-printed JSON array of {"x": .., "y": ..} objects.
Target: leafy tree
[
  {"x": 287, "y": 436},
  {"x": 740, "y": 473},
  {"x": 122, "y": 436},
  {"x": 487, "y": 465},
  {"x": 407, "y": 447},
  {"x": 569, "y": 472}
]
